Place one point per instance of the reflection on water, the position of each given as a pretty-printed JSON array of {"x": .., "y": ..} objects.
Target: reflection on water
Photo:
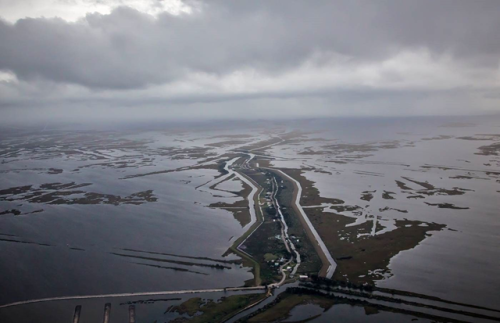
[
  {"x": 304, "y": 312},
  {"x": 353, "y": 314},
  {"x": 390, "y": 169}
]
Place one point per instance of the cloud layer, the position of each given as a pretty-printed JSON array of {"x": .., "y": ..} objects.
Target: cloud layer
[{"x": 333, "y": 55}]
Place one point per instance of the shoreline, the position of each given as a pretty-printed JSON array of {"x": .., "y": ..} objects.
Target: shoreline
[{"x": 253, "y": 200}]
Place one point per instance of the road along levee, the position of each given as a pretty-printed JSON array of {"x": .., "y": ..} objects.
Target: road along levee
[{"x": 329, "y": 265}]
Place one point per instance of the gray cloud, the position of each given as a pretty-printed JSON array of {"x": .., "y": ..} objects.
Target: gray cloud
[{"x": 300, "y": 48}]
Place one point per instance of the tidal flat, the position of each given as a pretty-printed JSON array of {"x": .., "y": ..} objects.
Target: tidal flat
[{"x": 409, "y": 205}]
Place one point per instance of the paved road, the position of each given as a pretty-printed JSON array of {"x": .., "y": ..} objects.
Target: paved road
[
  {"x": 254, "y": 218},
  {"x": 329, "y": 265},
  {"x": 284, "y": 229},
  {"x": 172, "y": 292}
]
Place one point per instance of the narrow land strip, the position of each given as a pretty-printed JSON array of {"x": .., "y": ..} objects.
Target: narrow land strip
[{"x": 329, "y": 264}]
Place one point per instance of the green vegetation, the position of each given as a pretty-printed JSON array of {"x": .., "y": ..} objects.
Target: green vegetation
[
  {"x": 311, "y": 262},
  {"x": 189, "y": 307},
  {"x": 211, "y": 311},
  {"x": 358, "y": 257},
  {"x": 266, "y": 242},
  {"x": 361, "y": 256},
  {"x": 270, "y": 256}
]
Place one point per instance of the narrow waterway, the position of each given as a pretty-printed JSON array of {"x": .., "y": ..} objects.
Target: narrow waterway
[{"x": 319, "y": 241}]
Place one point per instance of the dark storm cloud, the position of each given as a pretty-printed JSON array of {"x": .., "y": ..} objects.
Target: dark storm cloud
[
  {"x": 129, "y": 49},
  {"x": 343, "y": 57}
]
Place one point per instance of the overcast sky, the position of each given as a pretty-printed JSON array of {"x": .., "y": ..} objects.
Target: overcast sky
[{"x": 99, "y": 59}]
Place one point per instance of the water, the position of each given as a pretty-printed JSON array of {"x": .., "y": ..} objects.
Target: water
[
  {"x": 459, "y": 263},
  {"x": 82, "y": 238},
  {"x": 348, "y": 313}
]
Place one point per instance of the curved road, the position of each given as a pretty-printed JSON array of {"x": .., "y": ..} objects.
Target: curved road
[
  {"x": 329, "y": 265},
  {"x": 323, "y": 251},
  {"x": 284, "y": 230}
]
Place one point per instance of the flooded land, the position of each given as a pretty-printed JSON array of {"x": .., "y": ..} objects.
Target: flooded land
[{"x": 326, "y": 220}]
